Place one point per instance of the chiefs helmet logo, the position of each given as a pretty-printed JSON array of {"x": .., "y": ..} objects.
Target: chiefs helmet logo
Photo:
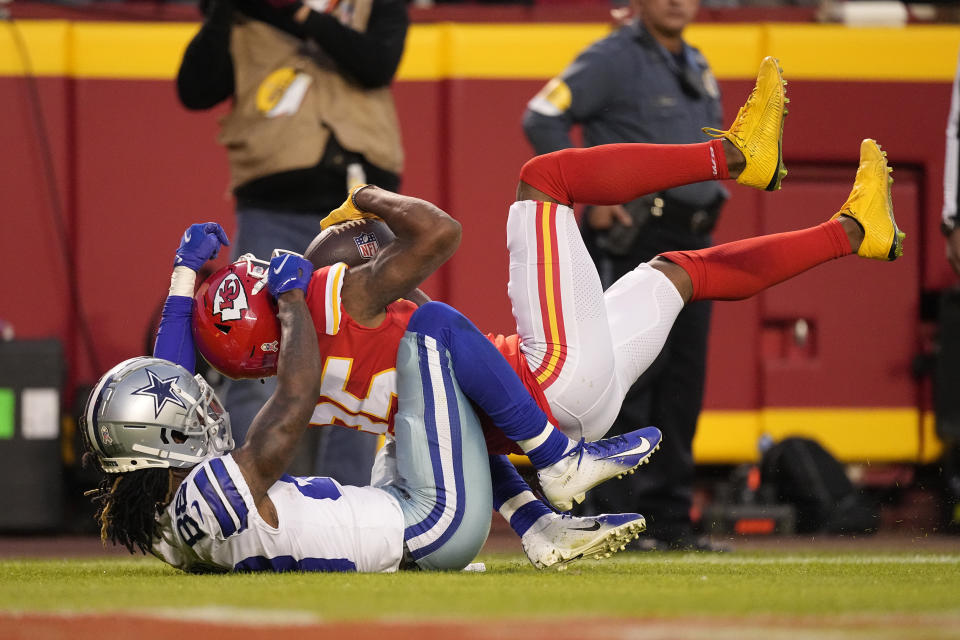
[{"x": 230, "y": 299}]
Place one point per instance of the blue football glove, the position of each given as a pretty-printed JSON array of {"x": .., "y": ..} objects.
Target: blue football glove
[
  {"x": 288, "y": 271},
  {"x": 200, "y": 242}
]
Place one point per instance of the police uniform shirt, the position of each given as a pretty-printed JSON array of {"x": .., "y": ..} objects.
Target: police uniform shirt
[
  {"x": 212, "y": 524},
  {"x": 628, "y": 88}
]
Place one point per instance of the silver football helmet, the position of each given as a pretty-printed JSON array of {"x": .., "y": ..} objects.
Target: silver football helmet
[{"x": 150, "y": 413}]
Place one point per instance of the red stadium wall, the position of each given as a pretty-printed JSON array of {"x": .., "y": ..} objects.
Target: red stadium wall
[{"x": 133, "y": 169}]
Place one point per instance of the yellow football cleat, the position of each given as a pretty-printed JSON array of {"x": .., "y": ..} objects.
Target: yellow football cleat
[
  {"x": 758, "y": 129},
  {"x": 870, "y": 204}
]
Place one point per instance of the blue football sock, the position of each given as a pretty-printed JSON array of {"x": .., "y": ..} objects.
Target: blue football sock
[
  {"x": 512, "y": 496},
  {"x": 547, "y": 447}
]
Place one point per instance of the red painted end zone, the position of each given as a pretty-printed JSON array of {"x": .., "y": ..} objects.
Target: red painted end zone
[{"x": 91, "y": 627}]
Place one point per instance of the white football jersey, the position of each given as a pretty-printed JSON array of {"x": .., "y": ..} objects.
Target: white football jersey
[{"x": 212, "y": 525}]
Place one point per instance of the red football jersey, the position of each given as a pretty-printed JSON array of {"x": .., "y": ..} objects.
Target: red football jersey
[{"x": 359, "y": 379}]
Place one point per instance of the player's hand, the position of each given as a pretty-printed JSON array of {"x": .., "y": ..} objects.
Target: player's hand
[
  {"x": 604, "y": 217},
  {"x": 200, "y": 242},
  {"x": 288, "y": 271},
  {"x": 953, "y": 250},
  {"x": 347, "y": 211}
]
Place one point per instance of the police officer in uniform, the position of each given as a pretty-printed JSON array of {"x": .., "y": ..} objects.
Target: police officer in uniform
[{"x": 644, "y": 83}]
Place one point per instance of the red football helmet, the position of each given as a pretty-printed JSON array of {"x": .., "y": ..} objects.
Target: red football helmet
[{"x": 235, "y": 324}]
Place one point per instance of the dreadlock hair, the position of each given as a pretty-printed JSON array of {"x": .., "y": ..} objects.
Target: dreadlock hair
[{"x": 128, "y": 505}]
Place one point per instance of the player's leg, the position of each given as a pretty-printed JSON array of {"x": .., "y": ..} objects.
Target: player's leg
[
  {"x": 437, "y": 455},
  {"x": 555, "y": 291},
  {"x": 642, "y": 305},
  {"x": 750, "y": 152},
  {"x": 566, "y": 468},
  {"x": 442, "y": 475},
  {"x": 864, "y": 225},
  {"x": 556, "y": 294},
  {"x": 551, "y": 539},
  {"x": 438, "y": 440},
  {"x": 557, "y": 301}
]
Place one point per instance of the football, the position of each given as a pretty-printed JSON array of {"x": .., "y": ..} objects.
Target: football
[{"x": 353, "y": 242}]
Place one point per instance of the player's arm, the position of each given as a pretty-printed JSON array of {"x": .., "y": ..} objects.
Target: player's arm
[
  {"x": 425, "y": 238},
  {"x": 417, "y": 297},
  {"x": 276, "y": 429},
  {"x": 199, "y": 243}
]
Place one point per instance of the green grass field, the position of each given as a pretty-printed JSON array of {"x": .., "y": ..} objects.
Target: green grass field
[{"x": 741, "y": 585}]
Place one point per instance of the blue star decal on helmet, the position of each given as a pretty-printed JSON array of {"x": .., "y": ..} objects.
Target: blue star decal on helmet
[{"x": 161, "y": 390}]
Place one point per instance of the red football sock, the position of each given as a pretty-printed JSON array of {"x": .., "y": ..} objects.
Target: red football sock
[
  {"x": 743, "y": 268},
  {"x": 618, "y": 173}
]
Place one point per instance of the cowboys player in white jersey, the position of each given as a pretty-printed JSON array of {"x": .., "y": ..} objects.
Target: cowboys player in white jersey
[{"x": 175, "y": 487}]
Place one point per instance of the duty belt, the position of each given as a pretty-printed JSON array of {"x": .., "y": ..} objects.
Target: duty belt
[
  {"x": 682, "y": 217},
  {"x": 661, "y": 211}
]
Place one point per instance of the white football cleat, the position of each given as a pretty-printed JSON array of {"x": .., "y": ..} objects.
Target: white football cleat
[
  {"x": 562, "y": 539},
  {"x": 590, "y": 463}
]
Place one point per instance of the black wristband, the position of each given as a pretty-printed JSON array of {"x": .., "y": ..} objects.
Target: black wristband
[{"x": 947, "y": 227}]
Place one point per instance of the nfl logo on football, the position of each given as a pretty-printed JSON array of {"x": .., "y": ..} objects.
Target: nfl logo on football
[{"x": 367, "y": 245}]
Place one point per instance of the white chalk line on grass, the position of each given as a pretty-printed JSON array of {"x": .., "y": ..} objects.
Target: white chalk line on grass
[
  {"x": 235, "y": 615},
  {"x": 212, "y": 615}
]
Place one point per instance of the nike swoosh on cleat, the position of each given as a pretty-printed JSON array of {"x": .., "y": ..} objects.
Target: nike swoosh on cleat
[
  {"x": 278, "y": 269},
  {"x": 594, "y": 527},
  {"x": 637, "y": 450}
]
